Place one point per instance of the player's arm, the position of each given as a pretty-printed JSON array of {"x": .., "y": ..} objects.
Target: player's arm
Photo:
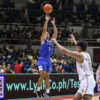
[
  {"x": 55, "y": 29},
  {"x": 47, "y": 18},
  {"x": 79, "y": 57},
  {"x": 72, "y": 39},
  {"x": 98, "y": 75}
]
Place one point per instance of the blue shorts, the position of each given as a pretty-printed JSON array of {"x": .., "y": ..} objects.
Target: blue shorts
[{"x": 44, "y": 65}]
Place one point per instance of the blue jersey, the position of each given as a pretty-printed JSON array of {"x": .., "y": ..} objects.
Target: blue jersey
[{"x": 46, "y": 50}]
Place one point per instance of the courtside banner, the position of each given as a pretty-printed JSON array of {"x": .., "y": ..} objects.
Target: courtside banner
[
  {"x": 25, "y": 85},
  {"x": 2, "y": 87}
]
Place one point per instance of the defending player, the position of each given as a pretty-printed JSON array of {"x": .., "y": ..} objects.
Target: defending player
[
  {"x": 84, "y": 68},
  {"x": 44, "y": 63}
]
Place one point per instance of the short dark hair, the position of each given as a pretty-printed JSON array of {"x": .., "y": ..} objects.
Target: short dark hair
[
  {"x": 82, "y": 44},
  {"x": 19, "y": 61}
]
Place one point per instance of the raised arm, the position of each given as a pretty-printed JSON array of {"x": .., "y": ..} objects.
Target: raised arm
[
  {"x": 79, "y": 57},
  {"x": 72, "y": 39},
  {"x": 55, "y": 29},
  {"x": 47, "y": 18}
]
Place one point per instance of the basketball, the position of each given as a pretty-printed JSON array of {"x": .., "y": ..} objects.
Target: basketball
[{"x": 48, "y": 8}]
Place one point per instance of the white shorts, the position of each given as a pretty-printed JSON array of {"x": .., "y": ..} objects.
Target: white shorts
[{"x": 87, "y": 86}]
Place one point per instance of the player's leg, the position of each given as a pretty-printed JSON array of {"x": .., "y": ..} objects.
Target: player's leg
[
  {"x": 41, "y": 78},
  {"x": 48, "y": 71},
  {"x": 40, "y": 81},
  {"x": 77, "y": 96},
  {"x": 42, "y": 70},
  {"x": 87, "y": 97},
  {"x": 47, "y": 83},
  {"x": 89, "y": 89}
]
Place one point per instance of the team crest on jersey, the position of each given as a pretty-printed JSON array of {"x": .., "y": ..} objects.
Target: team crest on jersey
[{"x": 49, "y": 42}]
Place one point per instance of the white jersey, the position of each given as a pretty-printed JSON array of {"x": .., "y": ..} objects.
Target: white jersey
[
  {"x": 85, "y": 69},
  {"x": 86, "y": 76}
]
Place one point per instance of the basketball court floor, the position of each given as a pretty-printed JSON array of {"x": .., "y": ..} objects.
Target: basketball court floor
[
  {"x": 96, "y": 97},
  {"x": 64, "y": 98}
]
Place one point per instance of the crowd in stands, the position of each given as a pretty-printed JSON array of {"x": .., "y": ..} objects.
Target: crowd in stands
[
  {"x": 31, "y": 33},
  {"x": 16, "y": 34},
  {"x": 67, "y": 12},
  {"x": 83, "y": 13},
  {"x": 25, "y": 61}
]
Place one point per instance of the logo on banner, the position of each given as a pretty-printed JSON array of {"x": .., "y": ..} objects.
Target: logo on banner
[{"x": 1, "y": 87}]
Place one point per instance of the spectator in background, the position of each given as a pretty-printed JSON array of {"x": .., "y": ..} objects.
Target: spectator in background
[
  {"x": 63, "y": 60},
  {"x": 54, "y": 60},
  {"x": 35, "y": 70},
  {"x": 37, "y": 52},
  {"x": 29, "y": 70},
  {"x": 59, "y": 69},
  {"x": 32, "y": 69},
  {"x": 70, "y": 61},
  {"x": 8, "y": 69},
  {"x": 34, "y": 61},
  {"x": 28, "y": 50},
  {"x": 3, "y": 68},
  {"x": 18, "y": 67},
  {"x": 75, "y": 70},
  {"x": 54, "y": 63},
  {"x": 22, "y": 55}
]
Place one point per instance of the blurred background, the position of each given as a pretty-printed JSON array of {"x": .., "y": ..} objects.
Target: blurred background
[{"x": 21, "y": 23}]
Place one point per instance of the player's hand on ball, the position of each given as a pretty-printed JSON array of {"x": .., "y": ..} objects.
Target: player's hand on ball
[
  {"x": 47, "y": 17},
  {"x": 53, "y": 20}
]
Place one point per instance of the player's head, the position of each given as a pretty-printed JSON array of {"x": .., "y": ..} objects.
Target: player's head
[
  {"x": 8, "y": 67},
  {"x": 19, "y": 61},
  {"x": 47, "y": 35},
  {"x": 81, "y": 46}
]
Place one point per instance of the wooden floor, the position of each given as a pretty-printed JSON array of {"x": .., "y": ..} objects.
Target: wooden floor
[{"x": 94, "y": 98}]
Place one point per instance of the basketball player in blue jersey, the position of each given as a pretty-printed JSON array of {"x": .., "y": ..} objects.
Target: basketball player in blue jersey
[{"x": 44, "y": 63}]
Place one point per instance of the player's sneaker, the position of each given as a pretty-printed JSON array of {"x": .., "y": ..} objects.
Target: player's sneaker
[
  {"x": 38, "y": 94},
  {"x": 47, "y": 95}
]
